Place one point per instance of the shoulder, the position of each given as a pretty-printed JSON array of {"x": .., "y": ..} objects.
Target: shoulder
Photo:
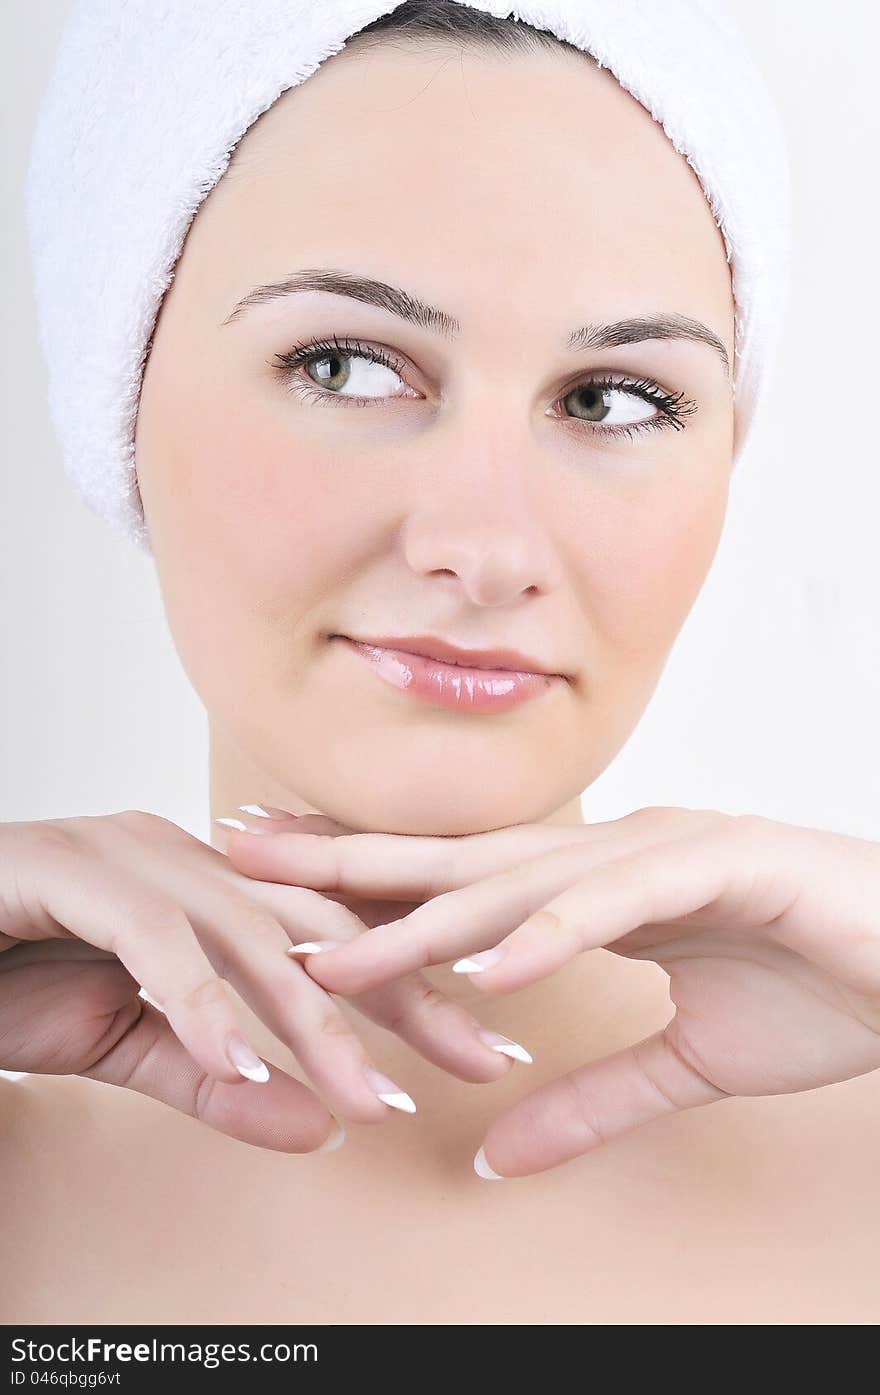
[
  {"x": 45, "y": 1151},
  {"x": 47, "y": 1123},
  {"x": 37, "y": 1113}
]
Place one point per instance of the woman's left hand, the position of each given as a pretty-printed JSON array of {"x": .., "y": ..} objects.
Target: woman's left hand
[{"x": 769, "y": 932}]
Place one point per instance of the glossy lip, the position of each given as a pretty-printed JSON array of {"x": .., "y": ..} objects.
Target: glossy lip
[
  {"x": 433, "y": 647},
  {"x": 457, "y": 687}
]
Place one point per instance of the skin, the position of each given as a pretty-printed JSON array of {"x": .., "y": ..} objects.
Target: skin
[
  {"x": 472, "y": 513},
  {"x": 481, "y": 508}
]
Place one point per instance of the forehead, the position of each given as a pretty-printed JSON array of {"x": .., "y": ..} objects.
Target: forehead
[{"x": 523, "y": 169}]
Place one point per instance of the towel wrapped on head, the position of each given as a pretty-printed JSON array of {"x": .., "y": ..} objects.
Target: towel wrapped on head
[{"x": 148, "y": 99}]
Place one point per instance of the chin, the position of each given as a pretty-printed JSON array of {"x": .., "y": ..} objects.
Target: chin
[{"x": 444, "y": 811}]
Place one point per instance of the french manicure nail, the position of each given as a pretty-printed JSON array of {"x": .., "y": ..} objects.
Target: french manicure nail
[
  {"x": 256, "y": 809},
  {"x": 388, "y": 1092},
  {"x": 482, "y": 1168},
  {"x": 504, "y": 1045},
  {"x": 245, "y": 1060},
  {"x": 313, "y": 946},
  {"x": 334, "y": 1141},
  {"x": 476, "y": 963},
  {"x": 241, "y": 827}
]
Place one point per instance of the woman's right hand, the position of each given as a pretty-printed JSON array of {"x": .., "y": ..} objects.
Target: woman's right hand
[{"x": 92, "y": 909}]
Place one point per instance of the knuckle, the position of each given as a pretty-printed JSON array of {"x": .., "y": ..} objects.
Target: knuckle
[
  {"x": 210, "y": 992},
  {"x": 249, "y": 926},
  {"x": 650, "y": 1076},
  {"x": 738, "y": 832},
  {"x": 582, "y": 1108},
  {"x": 331, "y": 1023},
  {"x": 421, "y": 998},
  {"x": 146, "y": 907},
  {"x": 515, "y": 874},
  {"x": 662, "y": 816},
  {"x": 128, "y": 1055},
  {"x": 203, "y": 1097},
  {"x": 304, "y": 912},
  {"x": 658, "y": 813},
  {"x": 751, "y": 824},
  {"x": 48, "y": 837},
  {"x": 142, "y": 823},
  {"x": 444, "y": 875},
  {"x": 658, "y": 818}
]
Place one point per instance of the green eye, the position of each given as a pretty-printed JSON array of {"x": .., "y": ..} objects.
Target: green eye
[{"x": 348, "y": 363}]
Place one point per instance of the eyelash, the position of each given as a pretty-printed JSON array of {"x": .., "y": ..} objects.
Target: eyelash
[{"x": 673, "y": 408}]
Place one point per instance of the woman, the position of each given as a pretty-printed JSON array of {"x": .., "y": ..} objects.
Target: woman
[{"x": 496, "y": 480}]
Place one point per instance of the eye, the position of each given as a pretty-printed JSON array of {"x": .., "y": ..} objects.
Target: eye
[
  {"x": 354, "y": 372},
  {"x": 589, "y": 402},
  {"x": 367, "y": 371},
  {"x": 606, "y": 403}
]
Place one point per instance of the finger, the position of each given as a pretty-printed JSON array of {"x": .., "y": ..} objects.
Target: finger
[
  {"x": 147, "y": 1056},
  {"x": 649, "y": 888},
  {"x": 249, "y": 945},
  {"x": 441, "y": 1030},
  {"x": 402, "y": 867},
  {"x": 326, "y": 1046},
  {"x": 593, "y": 1105},
  {"x": 265, "y": 818},
  {"x": 465, "y": 922},
  {"x": 303, "y": 1015},
  {"x": 246, "y": 939},
  {"x": 438, "y": 1028},
  {"x": 150, "y": 935}
]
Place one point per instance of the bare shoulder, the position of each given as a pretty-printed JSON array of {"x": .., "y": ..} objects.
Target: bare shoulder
[
  {"x": 26, "y": 1105},
  {"x": 48, "y": 1129},
  {"x": 37, "y": 1113}
]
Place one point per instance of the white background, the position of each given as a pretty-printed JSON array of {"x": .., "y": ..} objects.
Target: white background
[{"x": 770, "y": 701}]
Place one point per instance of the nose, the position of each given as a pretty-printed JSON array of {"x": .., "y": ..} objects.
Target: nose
[{"x": 484, "y": 527}]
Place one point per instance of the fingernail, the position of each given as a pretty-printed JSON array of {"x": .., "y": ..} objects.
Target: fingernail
[
  {"x": 482, "y": 1168},
  {"x": 241, "y": 827},
  {"x": 256, "y": 809},
  {"x": 313, "y": 946},
  {"x": 335, "y": 1139},
  {"x": 388, "y": 1092},
  {"x": 476, "y": 963},
  {"x": 246, "y": 1061},
  {"x": 504, "y": 1045}
]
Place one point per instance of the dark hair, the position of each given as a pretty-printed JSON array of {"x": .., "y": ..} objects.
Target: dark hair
[{"x": 422, "y": 20}]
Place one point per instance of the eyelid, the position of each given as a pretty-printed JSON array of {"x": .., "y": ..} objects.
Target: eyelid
[
  {"x": 671, "y": 408},
  {"x": 352, "y": 345}
]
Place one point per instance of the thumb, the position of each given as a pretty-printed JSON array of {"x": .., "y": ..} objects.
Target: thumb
[
  {"x": 280, "y": 1113},
  {"x": 593, "y": 1104}
]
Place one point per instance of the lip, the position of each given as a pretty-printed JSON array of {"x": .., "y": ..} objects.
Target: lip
[
  {"x": 470, "y": 686},
  {"x": 433, "y": 647}
]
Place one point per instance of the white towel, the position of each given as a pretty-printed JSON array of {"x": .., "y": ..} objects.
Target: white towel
[{"x": 148, "y": 99}]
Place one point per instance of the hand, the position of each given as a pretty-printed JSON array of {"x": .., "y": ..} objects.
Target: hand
[
  {"x": 770, "y": 935},
  {"x": 94, "y": 909}
]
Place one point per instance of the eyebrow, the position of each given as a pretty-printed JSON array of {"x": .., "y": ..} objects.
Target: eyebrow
[{"x": 635, "y": 330}]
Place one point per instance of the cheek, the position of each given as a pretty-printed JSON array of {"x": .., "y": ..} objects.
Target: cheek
[
  {"x": 647, "y": 563},
  {"x": 265, "y": 513},
  {"x": 252, "y": 533}
]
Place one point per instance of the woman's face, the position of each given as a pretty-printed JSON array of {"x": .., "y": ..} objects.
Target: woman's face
[{"x": 475, "y": 491}]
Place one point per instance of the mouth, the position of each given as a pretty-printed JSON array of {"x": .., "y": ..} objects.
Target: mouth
[
  {"x": 434, "y": 671},
  {"x": 433, "y": 647}
]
